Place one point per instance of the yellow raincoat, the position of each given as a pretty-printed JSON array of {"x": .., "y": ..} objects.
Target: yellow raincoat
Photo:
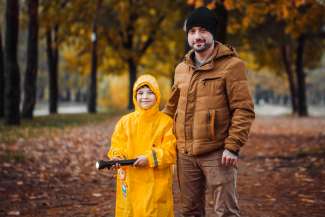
[{"x": 147, "y": 191}]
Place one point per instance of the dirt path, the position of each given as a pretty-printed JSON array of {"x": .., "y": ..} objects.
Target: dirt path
[{"x": 281, "y": 172}]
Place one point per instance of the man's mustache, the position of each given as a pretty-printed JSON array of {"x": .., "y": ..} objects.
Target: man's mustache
[{"x": 199, "y": 41}]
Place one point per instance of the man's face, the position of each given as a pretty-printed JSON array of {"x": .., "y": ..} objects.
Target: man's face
[
  {"x": 145, "y": 97},
  {"x": 199, "y": 39}
]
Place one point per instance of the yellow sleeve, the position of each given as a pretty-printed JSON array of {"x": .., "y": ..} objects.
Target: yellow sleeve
[
  {"x": 163, "y": 155},
  {"x": 118, "y": 142}
]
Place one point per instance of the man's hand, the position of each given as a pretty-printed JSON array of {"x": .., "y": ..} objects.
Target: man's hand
[
  {"x": 141, "y": 161},
  {"x": 228, "y": 158}
]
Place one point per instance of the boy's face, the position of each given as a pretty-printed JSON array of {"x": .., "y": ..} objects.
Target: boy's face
[
  {"x": 199, "y": 39},
  {"x": 145, "y": 97}
]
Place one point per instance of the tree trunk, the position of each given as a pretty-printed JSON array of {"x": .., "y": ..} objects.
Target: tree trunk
[
  {"x": 301, "y": 82},
  {"x": 2, "y": 80},
  {"x": 92, "y": 96},
  {"x": 222, "y": 16},
  {"x": 32, "y": 61},
  {"x": 286, "y": 53},
  {"x": 132, "y": 77},
  {"x": 12, "y": 75},
  {"x": 52, "y": 55}
]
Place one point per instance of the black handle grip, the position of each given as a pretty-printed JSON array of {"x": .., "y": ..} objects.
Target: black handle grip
[{"x": 101, "y": 164}]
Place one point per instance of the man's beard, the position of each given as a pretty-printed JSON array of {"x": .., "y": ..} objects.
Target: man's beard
[{"x": 202, "y": 48}]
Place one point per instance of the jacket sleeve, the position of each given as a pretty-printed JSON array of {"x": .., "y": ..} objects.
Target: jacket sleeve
[
  {"x": 163, "y": 155},
  {"x": 171, "y": 105},
  {"x": 241, "y": 106},
  {"x": 118, "y": 142}
]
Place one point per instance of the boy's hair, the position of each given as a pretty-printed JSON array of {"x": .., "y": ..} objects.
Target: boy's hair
[{"x": 145, "y": 85}]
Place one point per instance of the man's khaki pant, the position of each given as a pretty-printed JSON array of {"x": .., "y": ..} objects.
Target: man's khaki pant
[{"x": 207, "y": 188}]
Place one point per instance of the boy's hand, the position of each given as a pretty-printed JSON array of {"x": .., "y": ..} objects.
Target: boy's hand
[
  {"x": 116, "y": 166},
  {"x": 228, "y": 158},
  {"x": 141, "y": 161}
]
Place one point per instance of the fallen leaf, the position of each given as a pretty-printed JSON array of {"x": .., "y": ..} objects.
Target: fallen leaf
[
  {"x": 15, "y": 213},
  {"x": 97, "y": 194},
  {"x": 306, "y": 200},
  {"x": 7, "y": 165}
]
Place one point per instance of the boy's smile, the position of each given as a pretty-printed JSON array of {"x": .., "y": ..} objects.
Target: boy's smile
[{"x": 145, "y": 97}]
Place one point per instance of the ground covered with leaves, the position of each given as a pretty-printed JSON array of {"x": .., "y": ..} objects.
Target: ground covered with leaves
[{"x": 52, "y": 172}]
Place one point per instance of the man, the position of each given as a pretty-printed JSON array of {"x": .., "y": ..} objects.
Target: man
[{"x": 213, "y": 111}]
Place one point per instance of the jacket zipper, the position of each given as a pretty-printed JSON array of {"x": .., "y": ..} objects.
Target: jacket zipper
[{"x": 194, "y": 70}]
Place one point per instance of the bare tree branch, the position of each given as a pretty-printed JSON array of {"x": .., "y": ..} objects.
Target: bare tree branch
[{"x": 152, "y": 35}]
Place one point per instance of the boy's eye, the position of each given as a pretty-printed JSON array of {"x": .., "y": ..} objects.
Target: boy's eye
[{"x": 149, "y": 92}]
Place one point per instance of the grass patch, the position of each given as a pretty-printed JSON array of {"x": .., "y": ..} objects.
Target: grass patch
[
  {"x": 46, "y": 124},
  {"x": 311, "y": 151},
  {"x": 11, "y": 156}
]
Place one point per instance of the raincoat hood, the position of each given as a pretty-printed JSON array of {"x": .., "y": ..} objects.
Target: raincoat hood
[{"x": 152, "y": 83}]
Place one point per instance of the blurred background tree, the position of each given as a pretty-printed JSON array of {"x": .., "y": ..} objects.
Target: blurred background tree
[
  {"x": 29, "y": 97},
  {"x": 2, "y": 78},
  {"x": 286, "y": 32},
  {"x": 12, "y": 74},
  {"x": 131, "y": 28}
]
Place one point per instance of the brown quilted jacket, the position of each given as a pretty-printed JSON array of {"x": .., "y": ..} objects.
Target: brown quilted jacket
[{"x": 211, "y": 105}]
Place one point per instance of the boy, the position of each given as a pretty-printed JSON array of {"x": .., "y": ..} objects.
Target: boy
[{"x": 145, "y": 189}]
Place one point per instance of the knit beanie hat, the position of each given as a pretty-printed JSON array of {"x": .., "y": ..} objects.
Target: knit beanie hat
[{"x": 202, "y": 17}]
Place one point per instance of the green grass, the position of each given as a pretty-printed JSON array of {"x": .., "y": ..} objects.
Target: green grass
[
  {"x": 13, "y": 156},
  {"x": 47, "y": 124},
  {"x": 311, "y": 151}
]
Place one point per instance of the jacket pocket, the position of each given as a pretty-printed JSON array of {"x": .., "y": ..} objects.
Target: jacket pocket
[
  {"x": 210, "y": 86},
  {"x": 212, "y": 123},
  {"x": 174, "y": 124},
  {"x": 210, "y": 79}
]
